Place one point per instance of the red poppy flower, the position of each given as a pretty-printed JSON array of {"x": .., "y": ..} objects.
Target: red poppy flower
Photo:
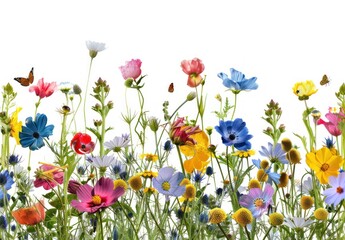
[
  {"x": 30, "y": 215},
  {"x": 82, "y": 143}
]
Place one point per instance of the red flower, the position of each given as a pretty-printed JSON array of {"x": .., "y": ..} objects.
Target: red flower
[
  {"x": 193, "y": 68},
  {"x": 180, "y": 133},
  {"x": 30, "y": 215},
  {"x": 43, "y": 89},
  {"x": 82, "y": 143},
  {"x": 48, "y": 176}
]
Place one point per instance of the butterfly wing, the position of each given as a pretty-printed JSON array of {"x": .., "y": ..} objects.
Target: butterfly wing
[
  {"x": 171, "y": 87},
  {"x": 26, "y": 81}
]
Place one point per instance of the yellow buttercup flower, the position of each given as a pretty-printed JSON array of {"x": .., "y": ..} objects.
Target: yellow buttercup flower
[
  {"x": 244, "y": 153},
  {"x": 148, "y": 174},
  {"x": 304, "y": 89},
  {"x": 324, "y": 164},
  {"x": 243, "y": 216},
  {"x": 276, "y": 219},
  {"x": 16, "y": 126},
  {"x": 135, "y": 182},
  {"x": 217, "y": 215},
  {"x": 321, "y": 214}
]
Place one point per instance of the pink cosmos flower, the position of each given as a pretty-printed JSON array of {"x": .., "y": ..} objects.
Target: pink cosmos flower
[
  {"x": 43, "y": 89},
  {"x": 333, "y": 125},
  {"x": 131, "y": 69},
  {"x": 48, "y": 176},
  {"x": 193, "y": 68},
  {"x": 93, "y": 199}
]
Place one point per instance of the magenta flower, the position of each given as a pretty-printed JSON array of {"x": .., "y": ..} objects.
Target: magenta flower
[
  {"x": 333, "y": 125},
  {"x": 193, "y": 68},
  {"x": 131, "y": 69},
  {"x": 93, "y": 199},
  {"x": 258, "y": 201},
  {"x": 48, "y": 176},
  {"x": 336, "y": 193},
  {"x": 43, "y": 89}
]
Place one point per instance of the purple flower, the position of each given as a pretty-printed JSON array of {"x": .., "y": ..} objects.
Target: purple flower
[
  {"x": 258, "y": 201},
  {"x": 274, "y": 153},
  {"x": 168, "y": 182},
  {"x": 234, "y": 133},
  {"x": 336, "y": 193}
]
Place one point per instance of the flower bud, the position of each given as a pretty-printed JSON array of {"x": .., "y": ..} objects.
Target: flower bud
[
  {"x": 286, "y": 144},
  {"x": 129, "y": 82},
  {"x": 76, "y": 89},
  {"x": 294, "y": 156},
  {"x": 191, "y": 96},
  {"x": 306, "y": 202},
  {"x": 276, "y": 219}
]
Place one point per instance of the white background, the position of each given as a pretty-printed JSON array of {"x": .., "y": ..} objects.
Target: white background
[{"x": 279, "y": 42}]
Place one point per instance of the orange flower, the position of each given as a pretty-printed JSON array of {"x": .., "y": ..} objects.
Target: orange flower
[
  {"x": 198, "y": 152},
  {"x": 30, "y": 215}
]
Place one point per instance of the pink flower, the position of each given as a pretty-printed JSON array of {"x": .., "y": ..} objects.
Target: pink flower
[
  {"x": 48, "y": 176},
  {"x": 94, "y": 199},
  {"x": 180, "y": 133},
  {"x": 43, "y": 89},
  {"x": 131, "y": 69},
  {"x": 193, "y": 68},
  {"x": 333, "y": 125}
]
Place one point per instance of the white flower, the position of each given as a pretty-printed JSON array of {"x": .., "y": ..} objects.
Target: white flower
[
  {"x": 94, "y": 48},
  {"x": 297, "y": 222},
  {"x": 306, "y": 187},
  {"x": 117, "y": 143},
  {"x": 104, "y": 161}
]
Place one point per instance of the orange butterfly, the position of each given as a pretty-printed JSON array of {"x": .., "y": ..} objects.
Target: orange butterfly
[
  {"x": 171, "y": 87},
  {"x": 26, "y": 81},
  {"x": 30, "y": 215}
]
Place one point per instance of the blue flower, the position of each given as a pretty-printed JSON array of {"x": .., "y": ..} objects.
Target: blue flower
[
  {"x": 274, "y": 154},
  {"x": 168, "y": 182},
  {"x": 238, "y": 82},
  {"x": 33, "y": 133},
  {"x": 6, "y": 180},
  {"x": 234, "y": 133}
]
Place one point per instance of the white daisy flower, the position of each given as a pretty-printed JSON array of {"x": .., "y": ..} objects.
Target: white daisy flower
[{"x": 94, "y": 48}]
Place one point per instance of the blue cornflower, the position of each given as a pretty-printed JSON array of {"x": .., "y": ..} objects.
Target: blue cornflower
[
  {"x": 274, "y": 154},
  {"x": 14, "y": 159},
  {"x": 6, "y": 180},
  {"x": 33, "y": 133},
  {"x": 203, "y": 217},
  {"x": 234, "y": 133},
  {"x": 238, "y": 82},
  {"x": 198, "y": 176},
  {"x": 2, "y": 201},
  {"x": 168, "y": 182},
  {"x": 117, "y": 167},
  {"x": 167, "y": 146},
  {"x": 272, "y": 176}
]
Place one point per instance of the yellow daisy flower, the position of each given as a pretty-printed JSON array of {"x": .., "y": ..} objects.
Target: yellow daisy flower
[
  {"x": 324, "y": 164},
  {"x": 16, "y": 126}
]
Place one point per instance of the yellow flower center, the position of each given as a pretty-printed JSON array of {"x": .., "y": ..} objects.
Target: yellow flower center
[
  {"x": 166, "y": 186},
  {"x": 96, "y": 200},
  {"x": 324, "y": 167},
  {"x": 259, "y": 202},
  {"x": 340, "y": 190}
]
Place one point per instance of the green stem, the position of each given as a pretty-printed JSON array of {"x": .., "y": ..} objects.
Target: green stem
[{"x": 86, "y": 92}]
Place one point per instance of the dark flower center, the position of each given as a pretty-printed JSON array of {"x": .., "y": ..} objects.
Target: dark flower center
[
  {"x": 340, "y": 190},
  {"x": 232, "y": 136},
  {"x": 36, "y": 135},
  {"x": 83, "y": 146}
]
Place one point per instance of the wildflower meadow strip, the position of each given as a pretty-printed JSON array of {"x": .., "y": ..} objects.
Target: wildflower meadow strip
[{"x": 168, "y": 177}]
